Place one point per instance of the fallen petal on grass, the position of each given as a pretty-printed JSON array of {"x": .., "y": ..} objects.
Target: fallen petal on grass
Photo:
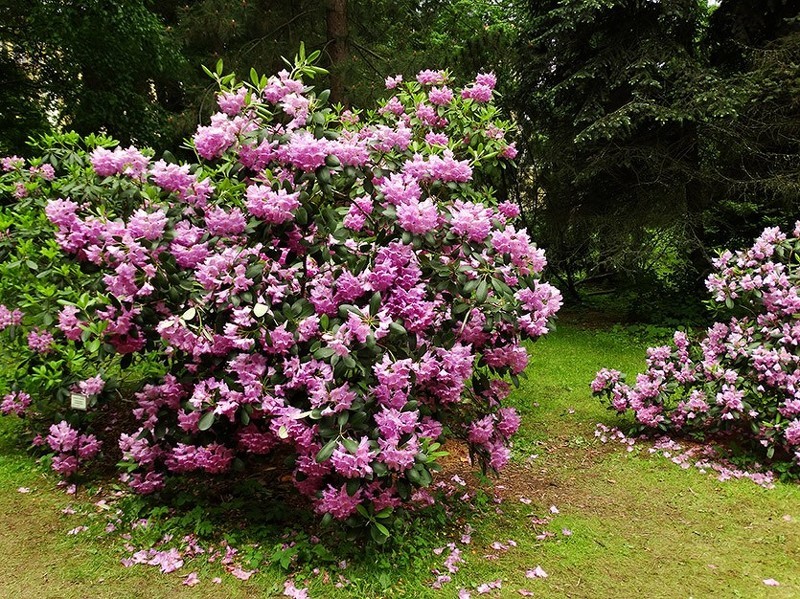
[
  {"x": 537, "y": 572},
  {"x": 242, "y": 574},
  {"x": 289, "y": 590}
]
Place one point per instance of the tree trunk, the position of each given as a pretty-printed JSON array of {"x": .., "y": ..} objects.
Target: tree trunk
[{"x": 338, "y": 47}]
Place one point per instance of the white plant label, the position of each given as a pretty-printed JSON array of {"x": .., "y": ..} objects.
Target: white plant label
[{"x": 79, "y": 401}]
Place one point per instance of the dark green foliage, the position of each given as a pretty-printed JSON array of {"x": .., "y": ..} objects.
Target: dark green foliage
[
  {"x": 609, "y": 131},
  {"x": 90, "y": 66},
  {"x": 653, "y": 131},
  {"x": 756, "y": 46},
  {"x": 656, "y": 129}
]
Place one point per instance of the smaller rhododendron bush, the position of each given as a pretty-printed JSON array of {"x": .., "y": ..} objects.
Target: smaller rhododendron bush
[
  {"x": 741, "y": 381},
  {"x": 338, "y": 287}
]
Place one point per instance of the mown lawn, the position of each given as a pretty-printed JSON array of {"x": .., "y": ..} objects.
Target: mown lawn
[{"x": 640, "y": 526}]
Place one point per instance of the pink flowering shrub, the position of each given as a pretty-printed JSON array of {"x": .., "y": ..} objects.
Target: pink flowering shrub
[
  {"x": 742, "y": 379},
  {"x": 48, "y": 351},
  {"x": 335, "y": 286}
]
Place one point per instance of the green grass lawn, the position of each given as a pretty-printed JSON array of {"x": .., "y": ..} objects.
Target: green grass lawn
[{"x": 641, "y": 526}]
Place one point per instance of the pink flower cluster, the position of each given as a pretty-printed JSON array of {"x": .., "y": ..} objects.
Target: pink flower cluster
[
  {"x": 9, "y": 318},
  {"x": 129, "y": 162},
  {"x": 71, "y": 448},
  {"x": 481, "y": 90},
  {"x": 15, "y": 403},
  {"x": 342, "y": 294},
  {"x": 10, "y": 163},
  {"x": 743, "y": 378}
]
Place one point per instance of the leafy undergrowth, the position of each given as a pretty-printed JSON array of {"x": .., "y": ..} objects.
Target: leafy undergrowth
[{"x": 598, "y": 520}]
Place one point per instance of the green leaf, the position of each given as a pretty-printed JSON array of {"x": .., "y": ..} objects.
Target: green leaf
[
  {"x": 350, "y": 445},
  {"x": 375, "y": 303},
  {"x": 344, "y": 310},
  {"x": 501, "y": 287},
  {"x": 206, "y": 421},
  {"x": 482, "y": 291},
  {"x": 413, "y": 476},
  {"x": 324, "y": 352},
  {"x": 254, "y": 270},
  {"x": 327, "y": 451},
  {"x": 425, "y": 477},
  {"x": 324, "y": 175},
  {"x": 376, "y": 535}
]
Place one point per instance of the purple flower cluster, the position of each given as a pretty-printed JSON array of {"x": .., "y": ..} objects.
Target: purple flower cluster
[
  {"x": 15, "y": 403},
  {"x": 71, "y": 448},
  {"x": 9, "y": 318}
]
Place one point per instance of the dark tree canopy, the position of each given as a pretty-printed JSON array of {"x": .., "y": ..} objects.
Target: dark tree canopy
[
  {"x": 609, "y": 123},
  {"x": 87, "y": 65},
  {"x": 756, "y": 47},
  {"x": 132, "y": 68},
  {"x": 656, "y": 125}
]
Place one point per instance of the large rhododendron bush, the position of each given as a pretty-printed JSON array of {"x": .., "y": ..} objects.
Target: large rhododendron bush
[
  {"x": 741, "y": 381},
  {"x": 337, "y": 288}
]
